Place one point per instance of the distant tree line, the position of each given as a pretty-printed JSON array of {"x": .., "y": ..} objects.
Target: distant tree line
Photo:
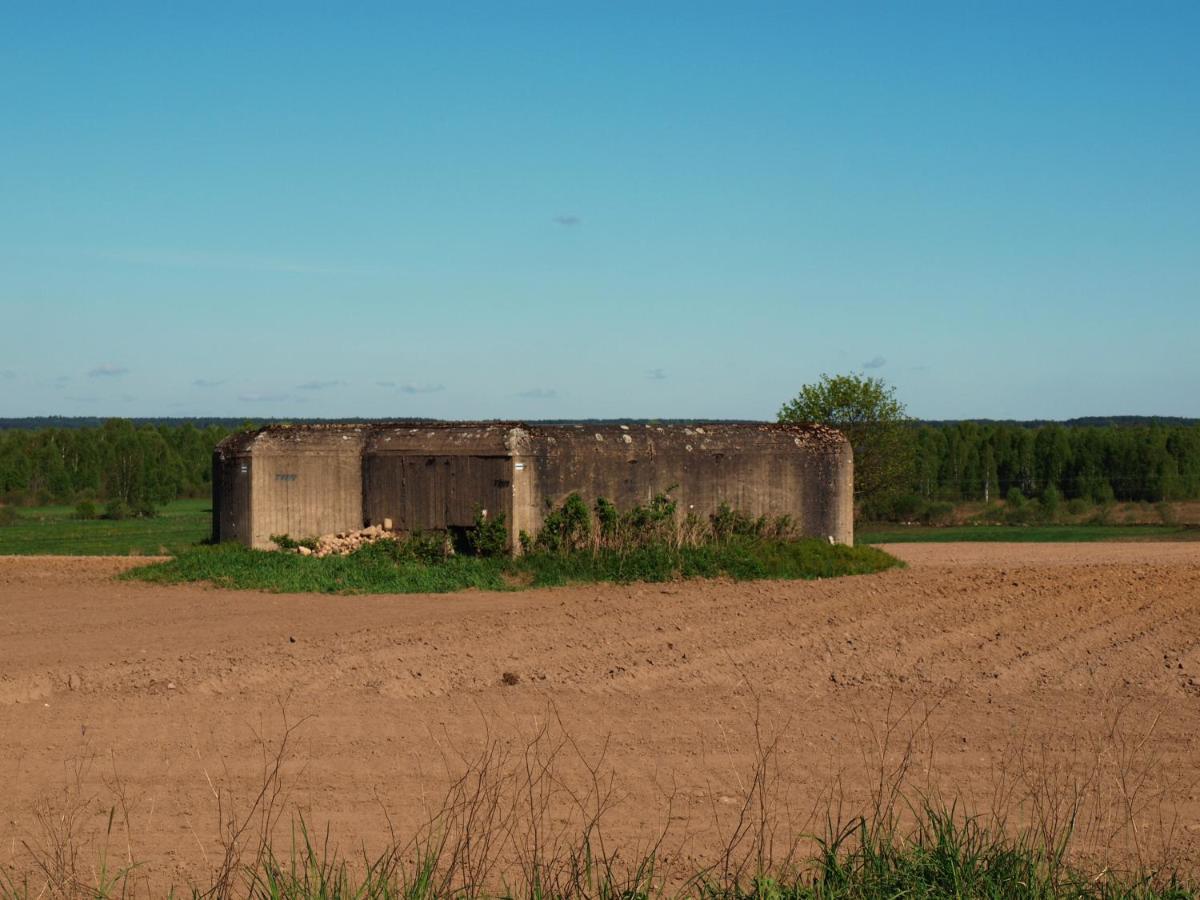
[
  {"x": 1099, "y": 464},
  {"x": 140, "y": 466},
  {"x": 960, "y": 461}
]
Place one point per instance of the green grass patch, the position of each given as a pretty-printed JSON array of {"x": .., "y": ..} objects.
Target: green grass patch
[
  {"x": 1024, "y": 533},
  {"x": 947, "y": 856},
  {"x": 55, "y": 530},
  {"x": 378, "y": 569}
]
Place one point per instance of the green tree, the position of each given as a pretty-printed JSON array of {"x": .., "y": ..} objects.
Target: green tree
[{"x": 867, "y": 412}]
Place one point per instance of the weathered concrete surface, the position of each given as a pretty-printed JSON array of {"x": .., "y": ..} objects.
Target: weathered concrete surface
[
  {"x": 805, "y": 472},
  {"x": 309, "y": 480},
  {"x": 303, "y": 481}
]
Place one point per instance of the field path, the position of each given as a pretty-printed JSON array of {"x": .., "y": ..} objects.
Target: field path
[{"x": 991, "y": 655}]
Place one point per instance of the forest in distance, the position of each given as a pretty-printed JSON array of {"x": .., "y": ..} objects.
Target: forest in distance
[{"x": 147, "y": 464}]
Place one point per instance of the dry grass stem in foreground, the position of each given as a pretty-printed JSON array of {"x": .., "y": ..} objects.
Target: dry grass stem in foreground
[{"x": 532, "y": 817}]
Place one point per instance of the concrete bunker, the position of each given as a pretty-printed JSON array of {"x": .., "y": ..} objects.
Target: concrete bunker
[{"x": 307, "y": 480}]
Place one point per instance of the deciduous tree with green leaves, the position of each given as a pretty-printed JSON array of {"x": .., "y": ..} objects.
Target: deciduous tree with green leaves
[{"x": 867, "y": 412}]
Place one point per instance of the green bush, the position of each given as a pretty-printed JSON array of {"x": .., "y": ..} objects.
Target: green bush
[
  {"x": 118, "y": 510},
  {"x": 86, "y": 509},
  {"x": 9, "y": 516},
  {"x": 1018, "y": 510},
  {"x": 727, "y": 523},
  {"x": 939, "y": 512},
  {"x": 906, "y": 508},
  {"x": 653, "y": 522},
  {"x": 1077, "y": 506},
  {"x": 567, "y": 528},
  {"x": 608, "y": 517},
  {"x": 1051, "y": 501},
  {"x": 427, "y": 547},
  {"x": 488, "y": 537}
]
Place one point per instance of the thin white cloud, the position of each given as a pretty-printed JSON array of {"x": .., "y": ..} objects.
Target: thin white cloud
[
  {"x": 567, "y": 221},
  {"x": 412, "y": 388},
  {"x": 317, "y": 385},
  {"x": 107, "y": 370},
  {"x": 256, "y": 397},
  {"x": 877, "y": 362},
  {"x": 7, "y": 375},
  {"x": 208, "y": 382},
  {"x": 539, "y": 394},
  {"x": 657, "y": 375}
]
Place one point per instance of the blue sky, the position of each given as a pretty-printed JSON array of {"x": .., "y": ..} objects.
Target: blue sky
[{"x": 608, "y": 209}]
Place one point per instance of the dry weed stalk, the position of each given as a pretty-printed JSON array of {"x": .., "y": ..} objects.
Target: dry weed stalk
[{"x": 531, "y": 816}]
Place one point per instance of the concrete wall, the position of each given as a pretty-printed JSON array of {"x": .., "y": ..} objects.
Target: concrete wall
[
  {"x": 312, "y": 480},
  {"x": 302, "y": 482},
  {"x": 767, "y": 470}
]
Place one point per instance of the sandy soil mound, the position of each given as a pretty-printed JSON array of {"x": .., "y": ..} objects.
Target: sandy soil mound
[{"x": 977, "y": 663}]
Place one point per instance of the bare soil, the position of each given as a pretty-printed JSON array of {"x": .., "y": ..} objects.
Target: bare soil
[{"x": 980, "y": 665}]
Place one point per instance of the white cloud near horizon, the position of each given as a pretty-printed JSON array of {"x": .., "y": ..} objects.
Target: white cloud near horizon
[
  {"x": 317, "y": 385},
  {"x": 410, "y": 388},
  {"x": 107, "y": 370}
]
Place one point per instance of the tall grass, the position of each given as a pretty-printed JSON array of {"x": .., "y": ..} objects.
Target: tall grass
[{"x": 377, "y": 568}]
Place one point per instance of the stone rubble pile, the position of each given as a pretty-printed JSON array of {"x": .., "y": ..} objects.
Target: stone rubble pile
[{"x": 346, "y": 542}]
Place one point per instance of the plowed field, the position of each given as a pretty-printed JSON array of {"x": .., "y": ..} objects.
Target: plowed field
[{"x": 1038, "y": 667}]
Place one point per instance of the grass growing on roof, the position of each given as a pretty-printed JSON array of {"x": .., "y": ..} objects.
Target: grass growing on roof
[{"x": 383, "y": 569}]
